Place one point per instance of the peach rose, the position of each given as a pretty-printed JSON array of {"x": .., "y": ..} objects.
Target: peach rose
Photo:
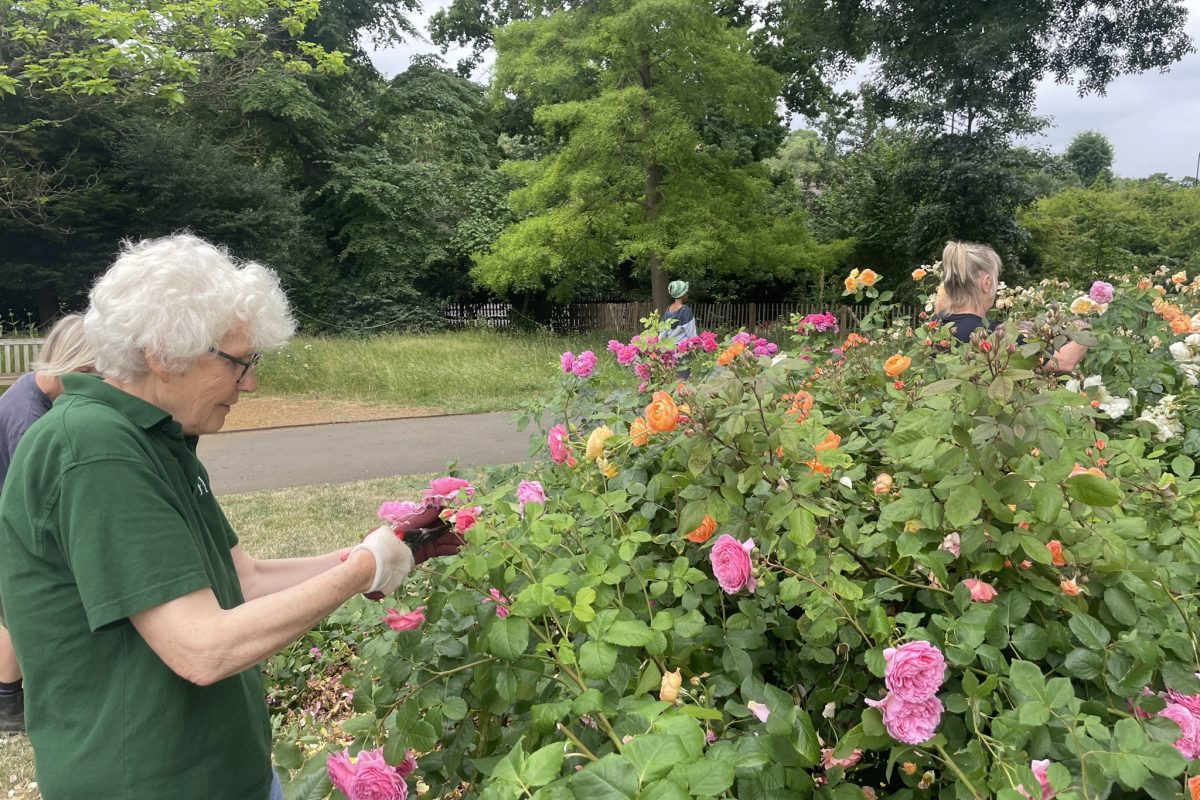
[
  {"x": 883, "y": 483},
  {"x": 851, "y": 285},
  {"x": 703, "y": 533},
  {"x": 919, "y": 274},
  {"x": 1056, "y": 553},
  {"x": 896, "y": 365},
  {"x": 981, "y": 591},
  {"x": 662, "y": 415},
  {"x": 639, "y": 432},
  {"x": 668, "y": 691},
  {"x": 1181, "y": 325},
  {"x": 868, "y": 277},
  {"x": 1070, "y": 588}
]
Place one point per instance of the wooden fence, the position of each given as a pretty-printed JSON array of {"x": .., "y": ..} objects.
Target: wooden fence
[
  {"x": 761, "y": 318},
  {"x": 17, "y": 357}
]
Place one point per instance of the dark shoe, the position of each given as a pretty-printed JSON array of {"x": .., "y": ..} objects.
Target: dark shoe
[{"x": 12, "y": 712}]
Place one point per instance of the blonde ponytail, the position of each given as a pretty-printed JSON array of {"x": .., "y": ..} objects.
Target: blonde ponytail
[{"x": 963, "y": 263}]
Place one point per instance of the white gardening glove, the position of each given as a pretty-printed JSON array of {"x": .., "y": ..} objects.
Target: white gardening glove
[{"x": 393, "y": 560}]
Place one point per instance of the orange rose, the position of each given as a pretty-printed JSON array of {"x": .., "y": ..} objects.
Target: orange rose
[
  {"x": 661, "y": 415},
  {"x": 868, "y": 277},
  {"x": 851, "y": 285},
  {"x": 1070, "y": 588},
  {"x": 817, "y": 467},
  {"x": 1081, "y": 470},
  {"x": 1056, "y": 553},
  {"x": 802, "y": 403},
  {"x": 639, "y": 432},
  {"x": 1194, "y": 787},
  {"x": 1144, "y": 284},
  {"x": 832, "y": 440},
  {"x": 703, "y": 533},
  {"x": 730, "y": 354},
  {"x": 896, "y": 365},
  {"x": 1180, "y": 325}
]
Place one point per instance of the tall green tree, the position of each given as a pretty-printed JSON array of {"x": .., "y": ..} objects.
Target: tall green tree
[
  {"x": 1090, "y": 155},
  {"x": 657, "y": 111}
]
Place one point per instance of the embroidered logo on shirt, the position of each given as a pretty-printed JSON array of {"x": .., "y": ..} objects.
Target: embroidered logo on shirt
[{"x": 201, "y": 488}]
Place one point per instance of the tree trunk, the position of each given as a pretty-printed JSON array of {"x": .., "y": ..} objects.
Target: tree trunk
[
  {"x": 47, "y": 303},
  {"x": 653, "y": 195}
]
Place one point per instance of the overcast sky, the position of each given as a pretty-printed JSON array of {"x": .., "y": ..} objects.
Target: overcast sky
[{"x": 1152, "y": 119}]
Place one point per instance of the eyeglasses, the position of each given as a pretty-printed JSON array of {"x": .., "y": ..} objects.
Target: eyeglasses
[{"x": 241, "y": 362}]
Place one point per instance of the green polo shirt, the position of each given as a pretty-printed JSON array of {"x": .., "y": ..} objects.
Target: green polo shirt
[{"x": 107, "y": 512}]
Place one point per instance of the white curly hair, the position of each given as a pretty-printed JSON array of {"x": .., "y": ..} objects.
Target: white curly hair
[{"x": 175, "y": 298}]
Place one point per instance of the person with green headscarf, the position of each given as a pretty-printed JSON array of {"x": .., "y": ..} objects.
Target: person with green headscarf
[{"x": 685, "y": 321}]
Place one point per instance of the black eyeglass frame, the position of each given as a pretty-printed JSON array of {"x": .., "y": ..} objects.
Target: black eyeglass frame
[{"x": 241, "y": 362}]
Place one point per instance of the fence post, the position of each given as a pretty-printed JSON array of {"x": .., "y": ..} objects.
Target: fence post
[{"x": 753, "y": 317}]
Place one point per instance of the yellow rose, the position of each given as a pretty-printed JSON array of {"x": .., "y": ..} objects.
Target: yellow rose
[
  {"x": 606, "y": 469},
  {"x": 895, "y": 365},
  {"x": 669, "y": 691},
  {"x": 1082, "y": 305},
  {"x": 595, "y": 442}
]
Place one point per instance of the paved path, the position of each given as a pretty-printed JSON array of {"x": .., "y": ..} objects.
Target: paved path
[{"x": 250, "y": 461}]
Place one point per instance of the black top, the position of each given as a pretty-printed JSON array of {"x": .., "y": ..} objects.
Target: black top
[{"x": 965, "y": 324}]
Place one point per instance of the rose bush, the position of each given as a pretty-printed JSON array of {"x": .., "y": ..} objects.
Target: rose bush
[{"x": 770, "y": 581}]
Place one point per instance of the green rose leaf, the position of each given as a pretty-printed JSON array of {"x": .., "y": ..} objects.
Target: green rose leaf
[
  {"x": 508, "y": 638},
  {"x": 628, "y": 633},
  {"x": 1093, "y": 490},
  {"x": 963, "y": 506},
  {"x": 1089, "y": 631},
  {"x": 597, "y": 659}
]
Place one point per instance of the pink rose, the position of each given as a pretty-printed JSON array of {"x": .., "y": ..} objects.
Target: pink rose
[
  {"x": 443, "y": 490},
  {"x": 1190, "y": 701},
  {"x": 405, "y": 622},
  {"x": 366, "y": 776},
  {"x": 560, "y": 451},
  {"x": 408, "y": 765},
  {"x": 915, "y": 670},
  {"x": 464, "y": 518},
  {"x": 829, "y": 760},
  {"x": 1188, "y": 743},
  {"x": 731, "y": 564},
  {"x": 500, "y": 600},
  {"x": 567, "y": 361},
  {"x": 911, "y": 723},
  {"x": 529, "y": 492},
  {"x": 952, "y": 544},
  {"x": 981, "y": 591},
  {"x": 585, "y": 365},
  {"x": 759, "y": 710},
  {"x": 1101, "y": 292},
  {"x": 405, "y": 514},
  {"x": 1039, "y": 771}
]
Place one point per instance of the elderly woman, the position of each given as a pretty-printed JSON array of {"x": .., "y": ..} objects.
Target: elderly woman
[
  {"x": 139, "y": 620},
  {"x": 970, "y": 281},
  {"x": 66, "y": 350}
]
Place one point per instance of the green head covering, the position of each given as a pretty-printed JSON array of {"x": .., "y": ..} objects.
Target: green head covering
[{"x": 677, "y": 289}]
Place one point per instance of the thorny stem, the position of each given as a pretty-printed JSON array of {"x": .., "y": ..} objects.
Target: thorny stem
[{"x": 565, "y": 731}]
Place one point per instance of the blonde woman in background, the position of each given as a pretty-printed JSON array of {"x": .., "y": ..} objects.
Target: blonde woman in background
[
  {"x": 66, "y": 350},
  {"x": 970, "y": 280}
]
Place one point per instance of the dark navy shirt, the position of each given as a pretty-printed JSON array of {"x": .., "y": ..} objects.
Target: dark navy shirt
[
  {"x": 965, "y": 324},
  {"x": 20, "y": 407}
]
